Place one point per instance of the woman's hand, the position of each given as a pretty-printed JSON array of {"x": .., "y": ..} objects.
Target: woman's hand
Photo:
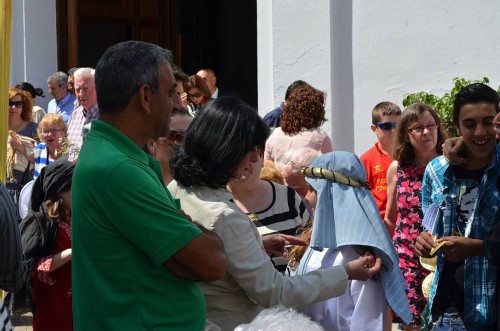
[
  {"x": 365, "y": 267},
  {"x": 275, "y": 244},
  {"x": 16, "y": 143}
]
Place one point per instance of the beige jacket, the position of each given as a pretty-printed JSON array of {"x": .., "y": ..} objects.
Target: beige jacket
[{"x": 251, "y": 282}]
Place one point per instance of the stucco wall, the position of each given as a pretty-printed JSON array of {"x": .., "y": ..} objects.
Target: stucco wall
[
  {"x": 363, "y": 52},
  {"x": 293, "y": 41},
  {"x": 34, "y": 44}
]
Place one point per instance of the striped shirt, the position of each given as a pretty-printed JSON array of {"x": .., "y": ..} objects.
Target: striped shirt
[
  {"x": 78, "y": 119},
  {"x": 41, "y": 158}
]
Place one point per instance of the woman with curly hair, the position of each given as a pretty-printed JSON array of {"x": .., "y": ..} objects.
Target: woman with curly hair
[
  {"x": 418, "y": 139},
  {"x": 303, "y": 114}
]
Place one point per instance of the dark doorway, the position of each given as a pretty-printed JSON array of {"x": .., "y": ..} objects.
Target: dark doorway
[{"x": 216, "y": 34}]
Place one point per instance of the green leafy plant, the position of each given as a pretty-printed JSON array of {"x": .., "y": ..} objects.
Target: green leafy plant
[{"x": 444, "y": 104}]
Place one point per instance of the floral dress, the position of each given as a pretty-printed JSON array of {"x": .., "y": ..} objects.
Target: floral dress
[{"x": 408, "y": 227}]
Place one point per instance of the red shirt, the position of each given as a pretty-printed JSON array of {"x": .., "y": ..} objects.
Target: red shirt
[{"x": 376, "y": 163}]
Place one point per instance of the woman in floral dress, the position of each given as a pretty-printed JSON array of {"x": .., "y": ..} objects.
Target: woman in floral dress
[{"x": 418, "y": 139}]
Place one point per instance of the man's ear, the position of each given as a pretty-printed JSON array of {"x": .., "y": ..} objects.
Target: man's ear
[
  {"x": 458, "y": 129},
  {"x": 373, "y": 127},
  {"x": 145, "y": 98}
]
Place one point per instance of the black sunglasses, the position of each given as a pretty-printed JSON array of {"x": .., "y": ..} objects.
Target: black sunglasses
[
  {"x": 17, "y": 104},
  {"x": 386, "y": 126},
  {"x": 176, "y": 135}
]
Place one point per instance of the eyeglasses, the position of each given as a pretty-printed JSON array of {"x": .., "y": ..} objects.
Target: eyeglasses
[
  {"x": 386, "y": 126},
  {"x": 176, "y": 136},
  {"x": 420, "y": 129},
  {"x": 196, "y": 95},
  {"x": 51, "y": 131},
  {"x": 17, "y": 104}
]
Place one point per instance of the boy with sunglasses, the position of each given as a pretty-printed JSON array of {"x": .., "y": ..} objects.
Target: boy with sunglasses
[{"x": 377, "y": 159}]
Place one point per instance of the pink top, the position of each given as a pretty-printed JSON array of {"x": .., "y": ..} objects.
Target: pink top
[{"x": 279, "y": 143}]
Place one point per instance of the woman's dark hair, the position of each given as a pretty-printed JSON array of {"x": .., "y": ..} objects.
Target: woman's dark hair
[
  {"x": 304, "y": 110},
  {"x": 35, "y": 92},
  {"x": 402, "y": 149},
  {"x": 216, "y": 142}
]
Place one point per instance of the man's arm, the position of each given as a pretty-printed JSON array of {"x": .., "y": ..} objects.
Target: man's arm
[
  {"x": 13, "y": 266},
  {"x": 202, "y": 259}
]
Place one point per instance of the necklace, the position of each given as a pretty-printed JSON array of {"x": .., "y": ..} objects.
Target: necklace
[{"x": 252, "y": 217}]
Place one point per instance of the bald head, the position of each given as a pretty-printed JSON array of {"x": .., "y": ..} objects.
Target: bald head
[{"x": 209, "y": 76}]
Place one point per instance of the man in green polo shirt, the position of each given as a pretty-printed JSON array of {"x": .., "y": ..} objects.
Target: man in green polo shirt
[{"x": 136, "y": 258}]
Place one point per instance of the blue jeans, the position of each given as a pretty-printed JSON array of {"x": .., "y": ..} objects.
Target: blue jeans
[{"x": 449, "y": 322}]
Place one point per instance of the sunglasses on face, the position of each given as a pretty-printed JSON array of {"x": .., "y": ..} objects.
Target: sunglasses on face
[
  {"x": 176, "y": 136},
  {"x": 386, "y": 126},
  {"x": 17, "y": 104}
]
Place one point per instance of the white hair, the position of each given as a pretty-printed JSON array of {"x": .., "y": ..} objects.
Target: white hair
[{"x": 83, "y": 73}]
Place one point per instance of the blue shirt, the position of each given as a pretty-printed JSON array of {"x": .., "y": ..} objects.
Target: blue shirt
[
  {"x": 439, "y": 186},
  {"x": 272, "y": 118},
  {"x": 63, "y": 107}
]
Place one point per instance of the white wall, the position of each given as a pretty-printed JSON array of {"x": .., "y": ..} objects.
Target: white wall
[
  {"x": 293, "y": 41},
  {"x": 34, "y": 44},
  {"x": 363, "y": 52},
  {"x": 408, "y": 46}
]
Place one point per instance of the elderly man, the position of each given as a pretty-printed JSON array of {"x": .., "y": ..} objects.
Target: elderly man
[
  {"x": 136, "y": 259},
  {"x": 63, "y": 102},
  {"x": 87, "y": 109},
  {"x": 209, "y": 76}
]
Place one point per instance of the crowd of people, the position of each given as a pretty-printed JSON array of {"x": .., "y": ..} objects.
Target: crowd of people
[{"x": 186, "y": 210}]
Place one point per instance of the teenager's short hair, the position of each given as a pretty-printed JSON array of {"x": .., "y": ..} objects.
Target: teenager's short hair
[
  {"x": 216, "y": 142},
  {"x": 473, "y": 94},
  {"x": 384, "y": 108},
  {"x": 402, "y": 150}
]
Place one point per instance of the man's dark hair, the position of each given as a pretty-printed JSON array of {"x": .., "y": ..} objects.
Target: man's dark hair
[
  {"x": 123, "y": 69},
  {"x": 217, "y": 141},
  {"x": 71, "y": 71},
  {"x": 292, "y": 87},
  {"x": 179, "y": 74},
  {"x": 473, "y": 94}
]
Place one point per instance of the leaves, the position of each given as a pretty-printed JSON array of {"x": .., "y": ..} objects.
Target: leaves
[{"x": 444, "y": 104}]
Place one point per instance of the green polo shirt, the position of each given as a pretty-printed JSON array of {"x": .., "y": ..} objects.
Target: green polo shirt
[{"x": 125, "y": 226}]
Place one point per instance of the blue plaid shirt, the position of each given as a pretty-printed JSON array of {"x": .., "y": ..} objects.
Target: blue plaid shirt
[{"x": 439, "y": 187}]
